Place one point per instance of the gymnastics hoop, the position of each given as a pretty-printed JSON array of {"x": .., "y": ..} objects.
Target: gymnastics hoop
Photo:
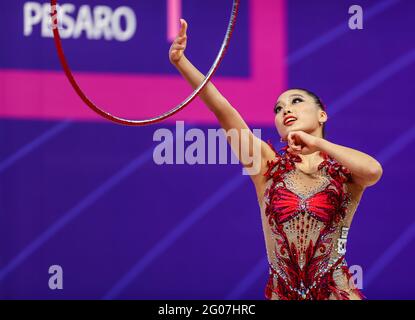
[{"x": 123, "y": 121}]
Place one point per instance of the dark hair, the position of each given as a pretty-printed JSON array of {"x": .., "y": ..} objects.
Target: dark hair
[{"x": 318, "y": 102}]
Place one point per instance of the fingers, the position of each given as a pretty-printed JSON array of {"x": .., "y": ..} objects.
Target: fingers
[
  {"x": 181, "y": 40},
  {"x": 292, "y": 143},
  {"x": 177, "y": 46},
  {"x": 183, "y": 28},
  {"x": 182, "y": 36},
  {"x": 295, "y": 148},
  {"x": 290, "y": 150},
  {"x": 290, "y": 139}
]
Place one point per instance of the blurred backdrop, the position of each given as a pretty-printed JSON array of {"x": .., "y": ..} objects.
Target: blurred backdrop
[{"x": 85, "y": 194}]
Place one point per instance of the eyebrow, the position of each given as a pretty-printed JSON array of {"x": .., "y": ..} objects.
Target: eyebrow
[{"x": 292, "y": 95}]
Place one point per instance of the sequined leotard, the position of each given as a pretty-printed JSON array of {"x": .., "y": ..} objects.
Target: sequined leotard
[{"x": 306, "y": 221}]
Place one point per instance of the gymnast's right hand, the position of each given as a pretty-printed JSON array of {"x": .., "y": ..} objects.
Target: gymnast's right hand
[{"x": 178, "y": 46}]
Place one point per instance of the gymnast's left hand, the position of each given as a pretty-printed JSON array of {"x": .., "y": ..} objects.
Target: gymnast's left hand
[{"x": 300, "y": 142}]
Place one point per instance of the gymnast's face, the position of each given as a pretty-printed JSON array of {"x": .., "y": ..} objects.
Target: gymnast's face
[{"x": 300, "y": 105}]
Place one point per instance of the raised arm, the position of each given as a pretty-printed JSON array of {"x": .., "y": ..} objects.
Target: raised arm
[{"x": 228, "y": 117}]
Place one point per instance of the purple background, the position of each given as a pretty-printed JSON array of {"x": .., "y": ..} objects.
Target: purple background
[
  {"x": 88, "y": 196},
  {"x": 145, "y": 53}
]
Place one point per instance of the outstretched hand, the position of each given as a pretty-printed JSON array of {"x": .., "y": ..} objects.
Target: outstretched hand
[{"x": 178, "y": 46}]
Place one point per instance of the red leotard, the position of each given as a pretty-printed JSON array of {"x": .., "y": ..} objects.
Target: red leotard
[{"x": 307, "y": 218}]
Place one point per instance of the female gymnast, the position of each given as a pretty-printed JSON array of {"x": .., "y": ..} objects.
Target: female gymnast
[{"x": 308, "y": 191}]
